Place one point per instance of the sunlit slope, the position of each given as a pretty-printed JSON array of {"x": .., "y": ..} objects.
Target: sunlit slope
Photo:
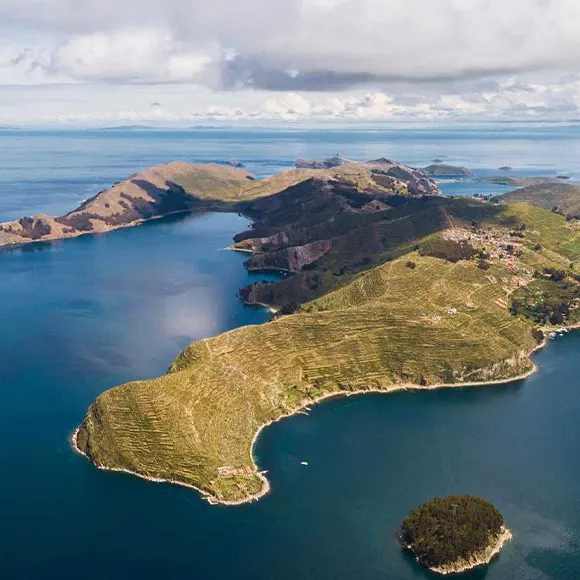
[
  {"x": 414, "y": 321},
  {"x": 204, "y": 414},
  {"x": 563, "y": 198}
]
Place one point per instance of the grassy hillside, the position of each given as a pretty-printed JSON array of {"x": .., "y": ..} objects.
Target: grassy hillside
[
  {"x": 405, "y": 319},
  {"x": 563, "y": 198}
]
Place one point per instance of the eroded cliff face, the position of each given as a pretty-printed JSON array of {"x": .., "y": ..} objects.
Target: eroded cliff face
[
  {"x": 291, "y": 259},
  {"x": 333, "y": 225}
]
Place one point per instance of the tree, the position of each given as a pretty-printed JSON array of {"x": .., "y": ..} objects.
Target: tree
[{"x": 444, "y": 530}]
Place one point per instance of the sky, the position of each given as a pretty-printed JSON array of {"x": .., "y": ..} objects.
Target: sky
[{"x": 190, "y": 62}]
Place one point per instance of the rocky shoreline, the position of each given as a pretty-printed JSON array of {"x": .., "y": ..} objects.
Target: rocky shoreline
[{"x": 479, "y": 558}]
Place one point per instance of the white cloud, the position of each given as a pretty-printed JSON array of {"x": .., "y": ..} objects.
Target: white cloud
[
  {"x": 289, "y": 60},
  {"x": 129, "y": 55},
  {"x": 297, "y": 43}
]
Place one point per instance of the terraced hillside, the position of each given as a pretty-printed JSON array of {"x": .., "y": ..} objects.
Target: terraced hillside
[{"x": 406, "y": 319}]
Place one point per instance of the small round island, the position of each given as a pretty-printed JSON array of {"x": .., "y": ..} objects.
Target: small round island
[{"x": 454, "y": 533}]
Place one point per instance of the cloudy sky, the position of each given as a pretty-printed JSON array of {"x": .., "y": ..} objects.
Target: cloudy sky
[{"x": 184, "y": 62}]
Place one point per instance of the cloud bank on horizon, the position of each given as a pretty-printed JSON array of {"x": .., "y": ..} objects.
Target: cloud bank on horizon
[{"x": 178, "y": 60}]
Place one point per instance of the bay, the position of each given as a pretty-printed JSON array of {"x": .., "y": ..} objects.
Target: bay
[{"x": 82, "y": 315}]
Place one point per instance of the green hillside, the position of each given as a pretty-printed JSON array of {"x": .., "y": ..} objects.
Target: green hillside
[
  {"x": 563, "y": 198},
  {"x": 402, "y": 319}
]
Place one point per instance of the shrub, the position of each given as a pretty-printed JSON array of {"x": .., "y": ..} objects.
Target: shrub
[
  {"x": 411, "y": 264},
  {"x": 538, "y": 335},
  {"x": 449, "y": 250},
  {"x": 289, "y": 308},
  {"x": 34, "y": 229}
]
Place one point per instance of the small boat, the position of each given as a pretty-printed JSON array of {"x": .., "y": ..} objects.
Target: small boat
[{"x": 304, "y": 463}]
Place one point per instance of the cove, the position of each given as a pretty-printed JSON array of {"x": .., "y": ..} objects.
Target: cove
[{"x": 80, "y": 316}]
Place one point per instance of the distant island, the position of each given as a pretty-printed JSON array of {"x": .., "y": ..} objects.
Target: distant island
[
  {"x": 455, "y": 533},
  {"x": 444, "y": 170},
  {"x": 389, "y": 285},
  {"x": 518, "y": 181},
  {"x": 505, "y": 168}
]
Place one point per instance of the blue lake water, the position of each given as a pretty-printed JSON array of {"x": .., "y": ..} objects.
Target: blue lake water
[{"x": 82, "y": 315}]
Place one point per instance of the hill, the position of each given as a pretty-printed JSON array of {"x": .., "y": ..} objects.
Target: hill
[
  {"x": 155, "y": 192},
  {"x": 563, "y": 198},
  {"x": 184, "y": 187},
  {"x": 444, "y": 170},
  {"x": 409, "y": 293}
]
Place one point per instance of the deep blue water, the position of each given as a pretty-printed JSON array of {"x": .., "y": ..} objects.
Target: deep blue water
[{"x": 79, "y": 316}]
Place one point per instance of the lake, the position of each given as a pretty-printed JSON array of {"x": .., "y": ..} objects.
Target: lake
[{"x": 82, "y": 315}]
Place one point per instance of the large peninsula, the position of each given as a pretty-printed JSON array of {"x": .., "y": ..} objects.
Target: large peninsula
[{"x": 390, "y": 285}]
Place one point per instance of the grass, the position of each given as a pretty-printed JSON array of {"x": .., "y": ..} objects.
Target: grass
[
  {"x": 378, "y": 326},
  {"x": 378, "y": 332},
  {"x": 561, "y": 197}
]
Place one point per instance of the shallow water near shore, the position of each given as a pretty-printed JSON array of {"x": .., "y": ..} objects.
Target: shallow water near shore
[{"x": 82, "y": 315}]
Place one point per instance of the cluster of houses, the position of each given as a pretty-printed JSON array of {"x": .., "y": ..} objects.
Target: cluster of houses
[
  {"x": 234, "y": 471},
  {"x": 497, "y": 244}
]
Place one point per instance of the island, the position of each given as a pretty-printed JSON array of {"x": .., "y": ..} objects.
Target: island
[
  {"x": 389, "y": 285},
  {"x": 505, "y": 168},
  {"x": 454, "y": 533},
  {"x": 444, "y": 170},
  {"x": 518, "y": 181}
]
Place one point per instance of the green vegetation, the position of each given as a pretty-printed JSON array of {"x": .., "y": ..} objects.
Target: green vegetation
[
  {"x": 518, "y": 181},
  {"x": 563, "y": 198},
  {"x": 444, "y": 170},
  {"x": 547, "y": 301},
  {"x": 444, "y": 531},
  {"x": 355, "y": 316},
  {"x": 449, "y": 250}
]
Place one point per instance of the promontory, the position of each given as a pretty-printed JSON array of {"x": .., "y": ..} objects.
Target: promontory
[{"x": 389, "y": 285}]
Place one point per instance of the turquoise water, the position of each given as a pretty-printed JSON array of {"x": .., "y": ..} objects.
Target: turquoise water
[{"x": 79, "y": 316}]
